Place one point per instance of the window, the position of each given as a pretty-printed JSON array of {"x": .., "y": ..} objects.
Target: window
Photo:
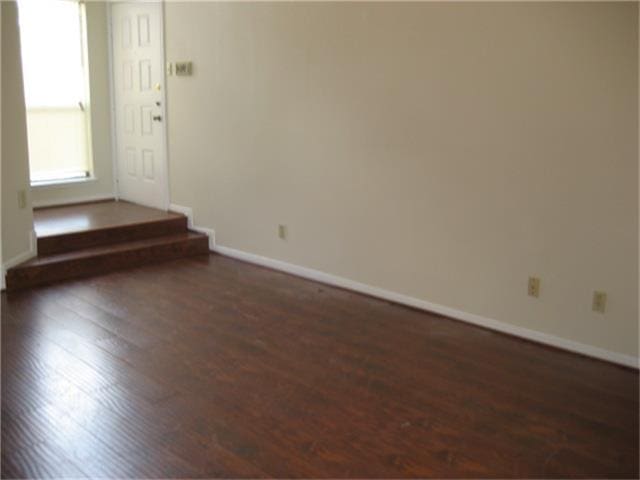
[{"x": 56, "y": 88}]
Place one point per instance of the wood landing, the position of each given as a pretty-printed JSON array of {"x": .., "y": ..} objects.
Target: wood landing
[{"x": 88, "y": 239}]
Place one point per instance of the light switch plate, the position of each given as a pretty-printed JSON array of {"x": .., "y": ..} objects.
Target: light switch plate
[{"x": 183, "y": 69}]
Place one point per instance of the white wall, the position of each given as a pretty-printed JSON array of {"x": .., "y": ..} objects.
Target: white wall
[
  {"x": 17, "y": 223},
  {"x": 99, "y": 108},
  {"x": 443, "y": 151}
]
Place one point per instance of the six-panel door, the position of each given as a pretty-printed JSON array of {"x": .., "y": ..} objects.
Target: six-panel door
[{"x": 138, "y": 99}]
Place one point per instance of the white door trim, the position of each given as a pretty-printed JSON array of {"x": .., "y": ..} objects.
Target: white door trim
[
  {"x": 165, "y": 201},
  {"x": 112, "y": 105}
]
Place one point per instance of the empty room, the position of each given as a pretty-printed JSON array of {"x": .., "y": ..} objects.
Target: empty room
[{"x": 310, "y": 239}]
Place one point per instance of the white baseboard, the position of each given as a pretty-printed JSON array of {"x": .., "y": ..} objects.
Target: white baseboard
[
  {"x": 18, "y": 259},
  {"x": 188, "y": 212},
  {"x": 72, "y": 200},
  {"x": 544, "y": 338}
]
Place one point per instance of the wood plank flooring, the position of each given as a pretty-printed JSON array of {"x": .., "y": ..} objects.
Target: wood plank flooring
[
  {"x": 210, "y": 367},
  {"x": 94, "y": 216}
]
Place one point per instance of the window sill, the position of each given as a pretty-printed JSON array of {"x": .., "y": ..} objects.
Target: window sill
[{"x": 62, "y": 182}]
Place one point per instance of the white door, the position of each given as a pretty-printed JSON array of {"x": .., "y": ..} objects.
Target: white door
[{"x": 138, "y": 89}]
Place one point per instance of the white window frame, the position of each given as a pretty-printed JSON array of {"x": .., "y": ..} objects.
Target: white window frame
[{"x": 85, "y": 106}]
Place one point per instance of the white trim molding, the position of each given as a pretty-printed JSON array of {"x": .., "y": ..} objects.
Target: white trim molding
[
  {"x": 188, "y": 212},
  {"x": 74, "y": 200},
  {"x": 525, "y": 333},
  {"x": 112, "y": 105},
  {"x": 18, "y": 259},
  {"x": 62, "y": 183}
]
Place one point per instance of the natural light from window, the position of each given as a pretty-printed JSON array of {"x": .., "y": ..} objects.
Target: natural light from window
[{"x": 56, "y": 89}]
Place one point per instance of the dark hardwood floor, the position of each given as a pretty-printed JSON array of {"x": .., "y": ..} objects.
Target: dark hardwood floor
[{"x": 210, "y": 367}]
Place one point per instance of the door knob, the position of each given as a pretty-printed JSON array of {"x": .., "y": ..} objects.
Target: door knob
[{"x": 157, "y": 118}]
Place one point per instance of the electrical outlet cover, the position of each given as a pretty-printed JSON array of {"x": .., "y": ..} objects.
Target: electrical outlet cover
[
  {"x": 534, "y": 287},
  {"x": 599, "y": 302}
]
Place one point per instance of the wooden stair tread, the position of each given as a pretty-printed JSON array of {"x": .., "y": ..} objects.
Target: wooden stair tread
[
  {"x": 106, "y": 235},
  {"x": 94, "y": 217},
  {"x": 105, "y": 258},
  {"x": 109, "y": 249},
  {"x": 170, "y": 216}
]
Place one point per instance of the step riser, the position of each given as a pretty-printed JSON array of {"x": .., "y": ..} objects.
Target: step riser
[
  {"x": 93, "y": 238},
  {"x": 83, "y": 267}
]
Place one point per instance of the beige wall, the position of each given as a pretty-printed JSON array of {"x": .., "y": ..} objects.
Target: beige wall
[
  {"x": 17, "y": 223},
  {"x": 1, "y": 262},
  {"x": 100, "y": 108},
  {"x": 443, "y": 151}
]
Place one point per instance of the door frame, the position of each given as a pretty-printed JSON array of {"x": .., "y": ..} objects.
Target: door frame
[{"x": 166, "y": 198}]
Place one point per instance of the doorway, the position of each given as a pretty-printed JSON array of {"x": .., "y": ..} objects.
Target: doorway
[{"x": 138, "y": 82}]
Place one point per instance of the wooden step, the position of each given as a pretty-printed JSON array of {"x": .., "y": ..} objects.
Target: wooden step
[
  {"x": 72, "y": 241},
  {"x": 105, "y": 258}
]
